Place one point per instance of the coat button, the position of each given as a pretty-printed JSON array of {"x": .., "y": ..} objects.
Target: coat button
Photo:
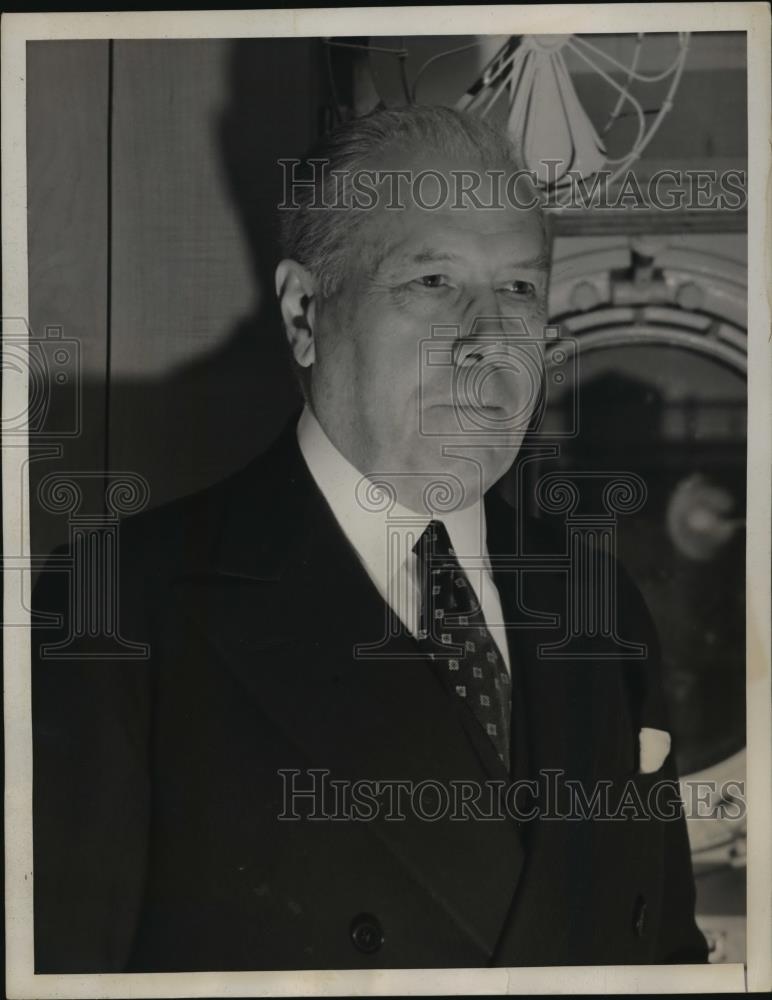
[
  {"x": 639, "y": 916},
  {"x": 366, "y": 933}
]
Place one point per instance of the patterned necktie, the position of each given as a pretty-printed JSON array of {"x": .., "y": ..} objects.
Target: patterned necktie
[{"x": 453, "y": 632}]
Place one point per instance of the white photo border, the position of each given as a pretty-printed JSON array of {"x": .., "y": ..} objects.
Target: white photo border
[{"x": 754, "y": 19}]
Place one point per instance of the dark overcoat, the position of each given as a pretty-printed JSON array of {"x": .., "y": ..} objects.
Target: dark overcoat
[{"x": 162, "y": 830}]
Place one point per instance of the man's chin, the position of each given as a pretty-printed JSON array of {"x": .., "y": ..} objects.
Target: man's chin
[
  {"x": 462, "y": 420},
  {"x": 444, "y": 474}
]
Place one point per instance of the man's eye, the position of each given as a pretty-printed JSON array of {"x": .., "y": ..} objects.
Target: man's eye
[
  {"x": 433, "y": 280},
  {"x": 521, "y": 288}
]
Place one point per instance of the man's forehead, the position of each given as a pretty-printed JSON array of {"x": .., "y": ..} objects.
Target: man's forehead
[
  {"x": 509, "y": 235},
  {"x": 470, "y": 169}
]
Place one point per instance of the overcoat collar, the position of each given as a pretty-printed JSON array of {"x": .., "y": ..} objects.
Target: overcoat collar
[
  {"x": 287, "y": 581},
  {"x": 277, "y": 526}
]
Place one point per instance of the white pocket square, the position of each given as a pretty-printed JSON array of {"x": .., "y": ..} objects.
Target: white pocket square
[{"x": 654, "y": 747}]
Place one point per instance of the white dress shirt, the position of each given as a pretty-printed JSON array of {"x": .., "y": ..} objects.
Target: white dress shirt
[
  {"x": 375, "y": 528},
  {"x": 383, "y": 534}
]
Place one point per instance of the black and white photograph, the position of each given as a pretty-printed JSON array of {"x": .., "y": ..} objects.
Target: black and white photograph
[{"x": 386, "y": 501}]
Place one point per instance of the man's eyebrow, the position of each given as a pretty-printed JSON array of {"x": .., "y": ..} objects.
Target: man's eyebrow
[
  {"x": 431, "y": 256},
  {"x": 428, "y": 255},
  {"x": 387, "y": 254},
  {"x": 540, "y": 262}
]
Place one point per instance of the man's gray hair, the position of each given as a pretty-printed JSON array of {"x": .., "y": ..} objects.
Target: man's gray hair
[{"x": 320, "y": 238}]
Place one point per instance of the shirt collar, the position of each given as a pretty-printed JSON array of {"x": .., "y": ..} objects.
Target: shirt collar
[{"x": 363, "y": 516}]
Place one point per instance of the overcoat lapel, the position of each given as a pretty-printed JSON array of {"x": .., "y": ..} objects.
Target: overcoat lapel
[
  {"x": 322, "y": 599},
  {"x": 286, "y": 607}
]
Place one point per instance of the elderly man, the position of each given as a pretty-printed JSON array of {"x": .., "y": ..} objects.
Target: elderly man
[{"x": 346, "y": 748}]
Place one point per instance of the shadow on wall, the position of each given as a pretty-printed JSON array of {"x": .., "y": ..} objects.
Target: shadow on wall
[
  {"x": 222, "y": 408},
  {"x": 205, "y": 418}
]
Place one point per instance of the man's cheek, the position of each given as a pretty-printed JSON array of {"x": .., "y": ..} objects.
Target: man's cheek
[
  {"x": 535, "y": 320},
  {"x": 428, "y": 308}
]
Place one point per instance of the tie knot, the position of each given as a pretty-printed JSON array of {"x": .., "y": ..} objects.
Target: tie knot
[{"x": 435, "y": 542}]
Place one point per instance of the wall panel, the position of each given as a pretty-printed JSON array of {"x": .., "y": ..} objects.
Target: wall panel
[
  {"x": 199, "y": 380},
  {"x": 67, "y": 171}
]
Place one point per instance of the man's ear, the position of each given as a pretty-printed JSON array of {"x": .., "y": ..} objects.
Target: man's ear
[{"x": 295, "y": 287}]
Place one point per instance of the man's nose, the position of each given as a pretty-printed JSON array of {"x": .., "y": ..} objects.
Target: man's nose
[
  {"x": 469, "y": 351},
  {"x": 484, "y": 326}
]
